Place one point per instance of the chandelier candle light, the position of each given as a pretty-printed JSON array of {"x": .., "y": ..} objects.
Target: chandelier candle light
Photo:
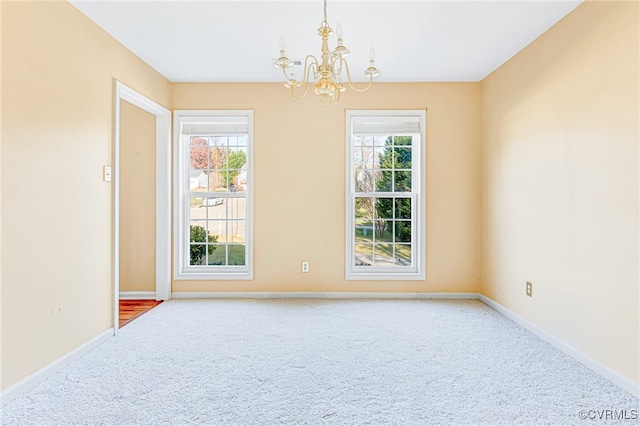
[{"x": 328, "y": 71}]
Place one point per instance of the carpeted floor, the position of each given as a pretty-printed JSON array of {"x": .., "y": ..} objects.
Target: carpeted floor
[{"x": 323, "y": 362}]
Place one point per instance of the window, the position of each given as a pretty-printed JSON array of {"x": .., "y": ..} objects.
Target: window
[
  {"x": 385, "y": 195},
  {"x": 214, "y": 194}
]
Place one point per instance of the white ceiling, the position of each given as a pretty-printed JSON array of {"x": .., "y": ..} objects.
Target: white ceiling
[{"x": 236, "y": 41}]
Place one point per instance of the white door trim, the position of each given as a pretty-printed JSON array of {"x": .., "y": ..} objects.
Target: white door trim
[{"x": 163, "y": 192}]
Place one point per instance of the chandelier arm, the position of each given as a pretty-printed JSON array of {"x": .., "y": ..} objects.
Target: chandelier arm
[
  {"x": 291, "y": 82},
  {"x": 346, "y": 66},
  {"x": 304, "y": 93},
  {"x": 305, "y": 80},
  {"x": 307, "y": 66}
]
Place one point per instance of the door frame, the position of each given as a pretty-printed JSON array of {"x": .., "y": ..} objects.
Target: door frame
[{"x": 163, "y": 193}]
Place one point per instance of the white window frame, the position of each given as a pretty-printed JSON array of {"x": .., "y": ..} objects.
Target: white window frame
[
  {"x": 418, "y": 196},
  {"x": 182, "y": 269}
]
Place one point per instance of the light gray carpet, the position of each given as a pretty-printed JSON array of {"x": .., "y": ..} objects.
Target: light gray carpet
[{"x": 321, "y": 362}]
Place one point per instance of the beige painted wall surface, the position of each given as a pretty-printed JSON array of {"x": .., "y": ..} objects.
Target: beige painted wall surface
[
  {"x": 57, "y": 110},
  {"x": 137, "y": 199},
  {"x": 300, "y": 184},
  {"x": 560, "y": 183}
]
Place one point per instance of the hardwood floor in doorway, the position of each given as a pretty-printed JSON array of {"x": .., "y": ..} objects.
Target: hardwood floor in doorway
[{"x": 132, "y": 309}]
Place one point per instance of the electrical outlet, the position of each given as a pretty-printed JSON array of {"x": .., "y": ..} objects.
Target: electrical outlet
[
  {"x": 529, "y": 289},
  {"x": 305, "y": 267}
]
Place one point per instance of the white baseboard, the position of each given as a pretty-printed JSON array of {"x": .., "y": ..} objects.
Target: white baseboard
[
  {"x": 137, "y": 295},
  {"x": 322, "y": 295},
  {"x": 603, "y": 370},
  {"x": 30, "y": 381}
]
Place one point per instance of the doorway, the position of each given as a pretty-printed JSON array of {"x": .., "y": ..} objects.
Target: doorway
[{"x": 162, "y": 188}]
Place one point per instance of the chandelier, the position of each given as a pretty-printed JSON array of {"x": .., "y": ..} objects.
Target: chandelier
[{"x": 330, "y": 74}]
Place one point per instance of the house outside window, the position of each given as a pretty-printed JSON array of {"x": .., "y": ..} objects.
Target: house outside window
[
  {"x": 385, "y": 195},
  {"x": 214, "y": 195}
]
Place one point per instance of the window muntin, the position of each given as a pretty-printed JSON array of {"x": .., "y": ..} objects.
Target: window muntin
[
  {"x": 215, "y": 193},
  {"x": 385, "y": 169}
]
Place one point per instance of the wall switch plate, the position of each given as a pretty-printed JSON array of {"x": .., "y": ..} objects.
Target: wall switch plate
[
  {"x": 529, "y": 289},
  {"x": 305, "y": 267},
  {"x": 106, "y": 173}
]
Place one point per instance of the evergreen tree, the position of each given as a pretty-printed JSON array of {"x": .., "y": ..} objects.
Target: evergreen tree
[
  {"x": 197, "y": 252},
  {"x": 395, "y": 159}
]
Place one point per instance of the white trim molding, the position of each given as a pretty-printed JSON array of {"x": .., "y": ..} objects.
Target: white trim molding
[
  {"x": 369, "y": 125},
  {"x": 123, "y": 92},
  {"x": 138, "y": 295},
  {"x": 220, "y": 123},
  {"x": 606, "y": 372},
  {"x": 324, "y": 295},
  {"x": 30, "y": 381}
]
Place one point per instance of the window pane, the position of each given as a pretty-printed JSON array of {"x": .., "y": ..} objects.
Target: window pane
[
  {"x": 368, "y": 159},
  {"x": 402, "y": 140},
  {"x": 403, "y": 231},
  {"x": 364, "y": 207},
  {"x": 236, "y": 161},
  {"x": 403, "y": 208},
  {"x": 384, "y": 180},
  {"x": 403, "y": 254},
  {"x": 384, "y": 208},
  {"x": 236, "y": 230},
  {"x": 384, "y": 255},
  {"x": 378, "y": 156},
  {"x": 363, "y": 255},
  {"x": 217, "y": 231},
  {"x": 380, "y": 140},
  {"x": 199, "y": 149},
  {"x": 213, "y": 202},
  {"x": 217, "y": 181},
  {"x": 198, "y": 180},
  {"x": 197, "y": 254},
  {"x": 402, "y": 181},
  {"x": 217, "y": 255},
  {"x": 358, "y": 161},
  {"x": 200, "y": 211},
  {"x": 196, "y": 201},
  {"x": 236, "y": 254},
  {"x": 384, "y": 230},
  {"x": 241, "y": 180},
  {"x": 197, "y": 231},
  {"x": 364, "y": 181},
  {"x": 237, "y": 208},
  {"x": 402, "y": 158},
  {"x": 364, "y": 230},
  {"x": 217, "y": 158},
  {"x": 237, "y": 140}
]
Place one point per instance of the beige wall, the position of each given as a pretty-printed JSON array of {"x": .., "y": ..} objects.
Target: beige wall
[
  {"x": 556, "y": 151},
  {"x": 300, "y": 184},
  {"x": 57, "y": 109},
  {"x": 137, "y": 199},
  {"x": 560, "y": 183}
]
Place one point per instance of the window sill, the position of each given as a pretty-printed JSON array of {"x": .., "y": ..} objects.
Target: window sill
[
  {"x": 213, "y": 276},
  {"x": 397, "y": 276}
]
